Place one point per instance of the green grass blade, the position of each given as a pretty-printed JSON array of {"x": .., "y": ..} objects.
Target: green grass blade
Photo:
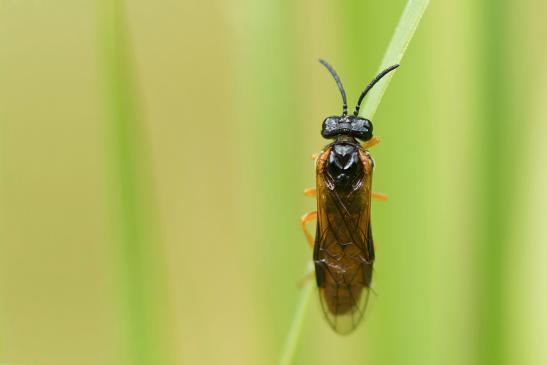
[
  {"x": 137, "y": 247},
  {"x": 291, "y": 341},
  {"x": 399, "y": 43},
  {"x": 495, "y": 196}
]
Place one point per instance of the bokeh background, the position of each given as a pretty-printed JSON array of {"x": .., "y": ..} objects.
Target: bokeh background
[{"x": 153, "y": 157}]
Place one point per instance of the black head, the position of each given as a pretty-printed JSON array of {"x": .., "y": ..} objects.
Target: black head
[{"x": 354, "y": 125}]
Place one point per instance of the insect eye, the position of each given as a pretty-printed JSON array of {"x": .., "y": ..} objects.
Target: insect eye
[
  {"x": 330, "y": 123},
  {"x": 362, "y": 128},
  {"x": 360, "y": 124},
  {"x": 330, "y": 127}
]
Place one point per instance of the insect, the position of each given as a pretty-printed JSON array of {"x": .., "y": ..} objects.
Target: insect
[{"x": 343, "y": 248}]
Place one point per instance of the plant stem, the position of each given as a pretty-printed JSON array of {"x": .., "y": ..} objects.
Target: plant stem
[{"x": 296, "y": 328}]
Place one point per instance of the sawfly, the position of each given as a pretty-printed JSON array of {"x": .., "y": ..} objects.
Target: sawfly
[{"x": 343, "y": 247}]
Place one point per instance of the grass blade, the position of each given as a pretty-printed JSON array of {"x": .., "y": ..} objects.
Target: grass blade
[
  {"x": 289, "y": 347},
  {"x": 404, "y": 32},
  {"x": 135, "y": 234},
  {"x": 399, "y": 43}
]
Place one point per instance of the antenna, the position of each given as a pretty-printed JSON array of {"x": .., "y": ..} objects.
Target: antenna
[
  {"x": 338, "y": 83},
  {"x": 371, "y": 85}
]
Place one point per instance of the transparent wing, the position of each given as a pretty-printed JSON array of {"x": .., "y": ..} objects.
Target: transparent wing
[
  {"x": 344, "y": 304},
  {"x": 344, "y": 252},
  {"x": 344, "y": 279}
]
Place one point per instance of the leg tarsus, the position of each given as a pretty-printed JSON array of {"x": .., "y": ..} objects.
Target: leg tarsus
[
  {"x": 306, "y": 218},
  {"x": 310, "y": 192},
  {"x": 380, "y": 196}
]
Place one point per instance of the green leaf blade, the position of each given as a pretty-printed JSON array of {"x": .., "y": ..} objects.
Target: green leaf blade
[{"x": 410, "y": 19}]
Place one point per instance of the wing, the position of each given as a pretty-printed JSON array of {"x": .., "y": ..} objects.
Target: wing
[{"x": 344, "y": 250}]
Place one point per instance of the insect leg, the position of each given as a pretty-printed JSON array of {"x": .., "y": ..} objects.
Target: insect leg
[
  {"x": 306, "y": 218},
  {"x": 310, "y": 192},
  {"x": 380, "y": 196},
  {"x": 371, "y": 143}
]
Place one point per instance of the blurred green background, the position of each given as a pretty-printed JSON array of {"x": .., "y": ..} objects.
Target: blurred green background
[{"x": 153, "y": 157}]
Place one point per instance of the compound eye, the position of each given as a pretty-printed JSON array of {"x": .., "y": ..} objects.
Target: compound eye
[
  {"x": 360, "y": 125},
  {"x": 362, "y": 128},
  {"x": 330, "y": 126},
  {"x": 330, "y": 123}
]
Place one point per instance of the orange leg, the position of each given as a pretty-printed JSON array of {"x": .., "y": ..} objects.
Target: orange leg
[
  {"x": 310, "y": 192},
  {"x": 307, "y": 218},
  {"x": 380, "y": 196},
  {"x": 371, "y": 143}
]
